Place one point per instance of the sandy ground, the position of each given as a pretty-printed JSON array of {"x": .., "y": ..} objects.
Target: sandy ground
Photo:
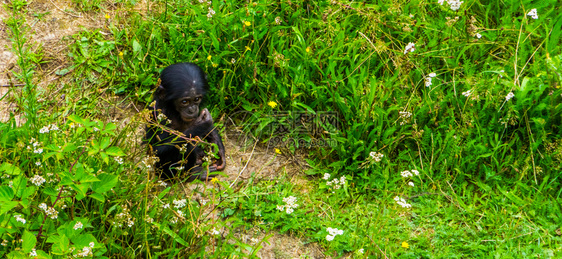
[{"x": 52, "y": 22}]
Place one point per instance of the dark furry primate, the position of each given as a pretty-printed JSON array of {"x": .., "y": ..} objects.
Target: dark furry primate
[{"x": 178, "y": 97}]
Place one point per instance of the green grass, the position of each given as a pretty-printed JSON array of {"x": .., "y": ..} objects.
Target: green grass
[{"x": 489, "y": 182}]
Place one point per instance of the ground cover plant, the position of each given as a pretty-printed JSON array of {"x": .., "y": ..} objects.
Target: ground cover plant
[{"x": 423, "y": 129}]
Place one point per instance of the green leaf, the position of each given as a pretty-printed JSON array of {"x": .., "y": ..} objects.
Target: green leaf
[
  {"x": 105, "y": 184},
  {"x": 10, "y": 169},
  {"x": 114, "y": 151},
  {"x": 173, "y": 234},
  {"x": 6, "y": 193},
  {"x": 6, "y": 206},
  {"x": 29, "y": 241},
  {"x": 97, "y": 196}
]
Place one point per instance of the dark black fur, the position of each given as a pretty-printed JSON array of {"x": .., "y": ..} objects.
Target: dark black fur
[{"x": 183, "y": 88}]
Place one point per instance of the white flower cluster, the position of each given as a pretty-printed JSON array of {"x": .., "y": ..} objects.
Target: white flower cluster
[
  {"x": 36, "y": 148},
  {"x": 289, "y": 204},
  {"x": 326, "y": 176},
  {"x": 428, "y": 79},
  {"x": 124, "y": 217},
  {"x": 404, "y": 117},
  {"x": 402, "y": 202},
  {"x": 409, "y": 173},
  {"x": 48, "y": 128},
  {"x": 50, "y": 211},
  {"x": 376, "y": 156},
  {"x": 86, "y": 251},
  {"x": 78, "y": 225},
  {"x": 178, "y": 204},
  {"x": 509, "y": 96},
  {"x": 118, "y": 159},
  {"x": 337, "y": 183},
  {"x": 454, "y": 4},
  {"x": 37, "y": 180},
  {"x": 467, "y": 93},
  {"x": 409, "y": 48},
  {"x": 278, "y": 20},
  {"x": 214, "y": 231},
  {"x": 20, "y": 219},
  {"x": 333, "y": 232},
  {"x": 211, "y": 13},
  {"x": 533, "y": 13}
]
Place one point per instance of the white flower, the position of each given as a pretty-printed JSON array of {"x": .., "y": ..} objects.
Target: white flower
[
  {"x": 329, "y": 237},
  {"x": 178, "y": 204},
  {"x": 467, "y": 93},
  {"x": 402, "y": 202},
  {"x": 38, "y": 151},
  {"x": 361, "y": 251},
  {"x": 406, "y": 174},
  {"x": 333, "y": 232},
  {"x": 43, "y": 206},
  {"x": 38, "y": 163},
  {"x": 409, "y": 48},
  {"x": 211, "y": 13},
  {"x": 533, "y": 13},
  {"x": 411, "y": 184},
  {"x": 166, "y": 205},
  {"x": 78, "y": 225},
  {"x": 376, "y": 156},
  {"x": 37, "y": 180},
  {"x": 20, "y": 219},
  {"x": 44, "y": 129},
  {"x": 119, "y": 160},
  {"x": 33, "y": 252},
  {"x": 233, "y": 61},
  {"x": 478, "y": 35},
  {"x": 509, "y": 96},
  {"x": 214, "y": 231},
  {"x": 92, "y": 244},
  {"x": 326, "y": 176},
  {"x": 427, "y": 81},
  {"x": 415, "y": 172},
  {"x": 289, "y": 210},
  {"x": 277, "y": 20},
  {"x": 432, "y": 74},
  {"x": 455, "y": 4},
  {"x": 440, "y": 2}
]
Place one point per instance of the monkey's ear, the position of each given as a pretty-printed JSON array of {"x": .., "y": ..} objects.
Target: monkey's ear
[{"x": 160, "y": 92}]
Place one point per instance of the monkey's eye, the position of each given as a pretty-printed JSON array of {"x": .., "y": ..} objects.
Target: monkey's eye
[
  {"x": 196, "y": 99},
  {"x": 183, "y": 101}
]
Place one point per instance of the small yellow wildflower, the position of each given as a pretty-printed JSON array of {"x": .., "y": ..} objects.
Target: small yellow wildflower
[
  {"x": 272, "y": 104},
  {"x": 248, "y": 48},
  {"x": 405, "y": 245},
  {"x": 277, "y": 151},
  {"x": 247, "y": 23},
  {"x": 120, "y": 53},
  {"x": 215, "y": 65},
  {"x": 307, "y": 49},
  {"x": 209, "y": 57},
  {"x": 214, "y": 180},
  {"x": 107, "y": 16}
]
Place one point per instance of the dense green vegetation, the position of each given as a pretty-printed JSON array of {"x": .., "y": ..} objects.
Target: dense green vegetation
[{"x": 443, "y": 130}]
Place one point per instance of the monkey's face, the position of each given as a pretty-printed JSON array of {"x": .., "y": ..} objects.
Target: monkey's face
[{"x": 188, "y": 107}]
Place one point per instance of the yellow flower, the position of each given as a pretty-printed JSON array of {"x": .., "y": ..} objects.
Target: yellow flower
[
  {"x": 106, "y": 16},
  {"x": 121, "y": 53},
  {"x": 214, "y": 180},
  {"x": 307, "y": 49},
  {"x": 247, "y": 23},
  {"x": 215, "y": 65},
  {"x": 277, "y": 151},
  {"x": 405, "y": 245},
  {"x": 248, "y": 48},
  {"x": 209, "y": 57},
  {"x": 272, "y": 104}
]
